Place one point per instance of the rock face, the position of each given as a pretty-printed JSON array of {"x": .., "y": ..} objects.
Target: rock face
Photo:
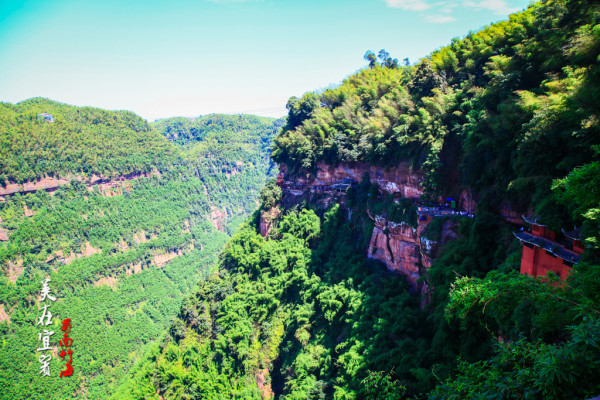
[
  {"x": 4, "y": 316},
  {"x": 407, "y": 249},
  {"x": 263, "y": 386},
  {"x": 429, "y": 248},
  {"x": 398, "y": 179},
  {"x": 30, "y": 187},
  {"x": 28, "y": 212},
  {"x": 397, "y": 245},
  {"x": 267, "y": 219},
  {"x": 508, "y": 212},
  {"x": 218, "y": 218},
  {"x": 162, "y": 259},
  {"x": 140, "y": 237},
  {"x": 108, "y": 281},
  {"x": 50, "y": 184},
  {"x": 467, "y": 202},
  {"x": 15, "y": 269}
]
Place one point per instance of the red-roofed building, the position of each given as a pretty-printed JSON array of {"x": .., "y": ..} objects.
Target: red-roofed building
[{"x": 542, "y": 252}]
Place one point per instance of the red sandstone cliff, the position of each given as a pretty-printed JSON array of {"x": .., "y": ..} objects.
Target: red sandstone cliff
[
  {"x": 50, "y": 184},
  {"x": 398, "y": 179},
  {"x": 399, "y": 246},
  {"x": 407, "y": 249}
]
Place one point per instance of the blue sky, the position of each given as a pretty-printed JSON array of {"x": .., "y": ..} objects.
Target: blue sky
[{"x": 196, "y": 57}]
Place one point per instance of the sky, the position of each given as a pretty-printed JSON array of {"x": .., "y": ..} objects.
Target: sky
[{"x": 162, "y": 58}]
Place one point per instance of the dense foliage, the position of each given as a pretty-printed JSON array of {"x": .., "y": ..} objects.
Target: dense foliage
[
  {"x": 120, "y": 260},
  {"x": 304, "y": 305},
  {"x": 233, "y": 149},
  {"x": 308, "y": 316}
]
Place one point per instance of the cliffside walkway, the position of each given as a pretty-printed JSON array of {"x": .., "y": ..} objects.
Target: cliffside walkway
[
  {"x": 442, "y": 212},
  {"x": 299, "y": 188}
]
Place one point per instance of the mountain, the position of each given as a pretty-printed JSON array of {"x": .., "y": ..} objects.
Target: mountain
[
  {"x": 354, "y": 281},
  {"x": 79, "y": 140},
  {"x": 122, "y": 221}
]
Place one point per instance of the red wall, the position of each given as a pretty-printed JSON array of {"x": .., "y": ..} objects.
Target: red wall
[
  {"x": 542, "y": 231},
  {"x": 537, "y": 262},
  {"x": 578, "y": 246}
]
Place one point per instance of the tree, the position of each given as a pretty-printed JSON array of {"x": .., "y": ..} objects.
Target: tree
[
  {"x": 371, "y": 58},
  {"x": 300, "y": 109},
  {"x": 270, "y": 195},
  {"x": 386, "y": 60}
]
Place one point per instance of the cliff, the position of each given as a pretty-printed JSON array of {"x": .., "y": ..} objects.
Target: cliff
[
  {"x": 401, "y": 179},
  {"x": 403, "y": 248},
  {"x": 218, "y": 218},
  {"x": 50, "y": 184},
  {"x": 397, "y": 245}
]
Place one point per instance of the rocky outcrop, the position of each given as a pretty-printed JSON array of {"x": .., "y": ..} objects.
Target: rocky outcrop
[
  {"x": 27, "y": 211},
  {"x": 15, "y": 269},
  {"x": 467, "y": 202},
  {"x": 234, "y": 171},
  {"x": 3, "y": 233},
  {"x": 86, "y": 250},
  {"x": 133, "y": 269},
  {"x": 110, "y": 281},
  {"x": 162, "y": 259},
  {"x": 406, "y": 249},
  {"x": 401, "y": 247},
  {"x": 4, "y": 316},
  {"x": 429, "y": 248},
  {"x": 186, "y": 226},
  {"x": 264, "y": 387},
  {"x": 218, "y": 218},
  {"x": 267, "y": 220},
  {"x": 48, "y": 184},
  {"x": 397, "y": 245},
  {"x": 140, "y": 237},
  {"x": 508, "y": 212}
]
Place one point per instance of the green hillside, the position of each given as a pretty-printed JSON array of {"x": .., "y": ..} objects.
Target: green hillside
[
  {"x": 122, "y": 258},
  {"x": 80, "y": 140},
  {"x": 509, "y": 112},
  {"x": 234, "y": 149}
]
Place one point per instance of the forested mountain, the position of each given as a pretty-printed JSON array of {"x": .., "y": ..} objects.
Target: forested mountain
[
  {"x": 80, "y": 140},
  {"x": 128, "y": 225},
  {"x": 301, "y": 308},
  {"x": 235, "y": 149}
]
